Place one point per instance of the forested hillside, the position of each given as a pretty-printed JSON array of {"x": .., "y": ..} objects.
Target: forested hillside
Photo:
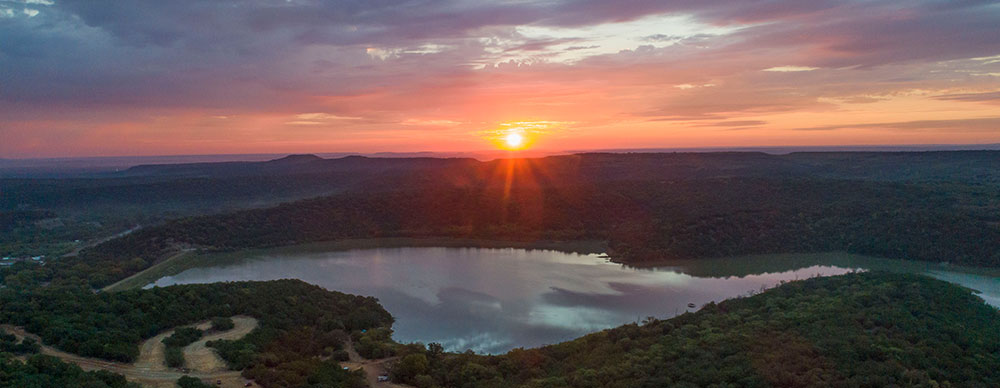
[
  {"x": 87, "y": 208},
  {"x": 641, "y": 220},
  {"x": 857, "y": 330}
]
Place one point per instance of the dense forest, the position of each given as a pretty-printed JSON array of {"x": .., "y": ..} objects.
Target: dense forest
[
  {"x": 856, "y": 330},
  {"x": 40, "y": 371},
  {"x": 88, "y": 206}
]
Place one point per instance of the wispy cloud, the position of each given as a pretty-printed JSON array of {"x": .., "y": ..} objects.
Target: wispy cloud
[
  {"x": 318, "y": 119},
  {"x": 736, "y": 123},
  {"x": 993, "y": 97},
  {"x": 431, "y": 122},
  {"x": 976, "y": 124},
  {"x": 790, "y": 69}
]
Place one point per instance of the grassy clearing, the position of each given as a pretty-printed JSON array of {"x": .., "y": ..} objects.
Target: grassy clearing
[{"x": 171, "y": 265}]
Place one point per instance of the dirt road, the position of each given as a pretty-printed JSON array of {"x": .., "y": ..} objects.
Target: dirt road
[
  {"x": 149, "y": 369},
  {"x": 201, "y": 358}
]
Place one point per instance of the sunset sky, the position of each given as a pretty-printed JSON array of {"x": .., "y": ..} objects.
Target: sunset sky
[{"x": 90, "y": 78}]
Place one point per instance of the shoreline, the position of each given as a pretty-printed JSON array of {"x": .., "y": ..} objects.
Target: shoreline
[
  {"x": 181, "y": 260},
  {"x": 574, "y": 246},
  {"x": 741, "y": 265}
]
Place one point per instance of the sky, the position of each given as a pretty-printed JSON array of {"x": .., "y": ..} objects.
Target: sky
[{"x": 106, "y": 78}]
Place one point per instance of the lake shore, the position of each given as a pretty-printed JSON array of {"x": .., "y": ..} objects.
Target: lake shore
[{"x": 183, "y": 260}]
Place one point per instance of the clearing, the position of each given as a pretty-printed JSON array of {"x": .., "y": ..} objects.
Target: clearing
[{"x": 373, "y": 368}]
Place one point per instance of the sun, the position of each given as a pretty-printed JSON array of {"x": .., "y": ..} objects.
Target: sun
[
  {"x": 516, "y": 135},
  {"x": 514, "y": 140}
]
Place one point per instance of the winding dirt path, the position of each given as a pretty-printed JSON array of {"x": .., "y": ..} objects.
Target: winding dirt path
[
  {"x": 149, "y": 369},
  {"x": 202, "y": 358}
]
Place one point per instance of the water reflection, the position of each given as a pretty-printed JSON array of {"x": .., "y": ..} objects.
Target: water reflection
[{"x": 493, "y": 300}]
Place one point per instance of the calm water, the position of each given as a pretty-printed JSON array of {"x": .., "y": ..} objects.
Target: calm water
[{"x": 493, "y": 300}]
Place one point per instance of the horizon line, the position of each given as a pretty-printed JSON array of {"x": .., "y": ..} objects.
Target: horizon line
[{"x": 542, "y": 153}]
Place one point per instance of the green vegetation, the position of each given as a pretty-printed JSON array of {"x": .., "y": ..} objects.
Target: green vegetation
[
  {"x": 293, "y": 361},
  {"x": 10, "y": 344},
  {"x": 867, "y": 329},
  {"x": 191, "y": 382},
  {"x": 28, "y": 233},
  {"x": 285, "y": 366},
  {"x": 173, "y": 356},
  {"x": 374, "y": 344},
  {"x": 183, "y": 337},
  {"x": 175, "y": 343},
  {"x": 222, "y": 324},
  {"x": 307, "y": 372},
  {"x": 41, "y": 371},
  {"x": 298, "y": 322}
]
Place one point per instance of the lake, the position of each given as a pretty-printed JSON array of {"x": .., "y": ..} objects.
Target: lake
[{"x": 493, "y": 300}]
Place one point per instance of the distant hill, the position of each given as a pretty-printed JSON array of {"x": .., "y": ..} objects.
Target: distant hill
[
  {"x": 913, "y": 205},
  {"x": 291, "y": 165},
  {"x": 966, "y": 166}
]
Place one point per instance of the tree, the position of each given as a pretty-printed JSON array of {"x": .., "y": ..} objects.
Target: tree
[{"x": 409, "y": 367}]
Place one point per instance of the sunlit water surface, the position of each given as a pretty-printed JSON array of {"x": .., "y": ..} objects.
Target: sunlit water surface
[{"x": 493, "y": 300}]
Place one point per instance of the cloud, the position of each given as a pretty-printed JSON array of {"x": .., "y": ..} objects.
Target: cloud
[
  {"x": 992, "y": 97},
  {"x": 318, "y": 119},
  {"x": 786, "y": 69},
  {"x": 431, "y": 122},
  {"x": 977, "y": 124},
  {"x": 737, "y": 123},
  {"x": 324, "y": 116},
  {"x": 988, "y": 60}
]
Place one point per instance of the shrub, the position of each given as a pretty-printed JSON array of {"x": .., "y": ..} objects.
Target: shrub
[{"x": 222, "y": 324}]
